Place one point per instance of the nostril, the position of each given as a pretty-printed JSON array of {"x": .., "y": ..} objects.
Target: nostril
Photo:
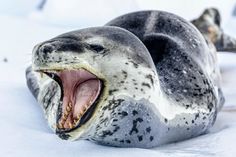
[{"x": 46, "y": 49}]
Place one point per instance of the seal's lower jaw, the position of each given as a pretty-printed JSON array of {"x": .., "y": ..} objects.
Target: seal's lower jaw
[{"x": 80, "y": 94}]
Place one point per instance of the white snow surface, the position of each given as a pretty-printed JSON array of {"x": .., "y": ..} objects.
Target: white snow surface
[
  {"x": 83, "y": 13},
  {"x": 24, "y": 131}
]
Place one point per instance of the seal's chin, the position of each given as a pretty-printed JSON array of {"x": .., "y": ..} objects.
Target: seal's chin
[{"x": 80, "y": 94}]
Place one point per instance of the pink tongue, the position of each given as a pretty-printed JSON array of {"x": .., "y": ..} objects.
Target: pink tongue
[
  {"x": 80, "y": 88},
  {"x": 85, "y": 95}
]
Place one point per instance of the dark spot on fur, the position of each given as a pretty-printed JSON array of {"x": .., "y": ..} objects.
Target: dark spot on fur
[
  {"x": 134, "y": 112},
  {"x": 146, "y": 84},
  {"x": 139, "y": 120},
  {"x": 210, "y": 106},
  {"x": 166, "y": 120},
  {"x": 127, "y": 141},
  {"x": 123, "y": 114},
  {"x": 116, "y": 129},
  {"x": 151, "y": 138},
  {"x": 122, "y": 81},
  {"x": 113, "y": 104},
  {"x": 125, "y": 74},
  {"x": 106, "y": 133},
  {"x": 104, "y": 120},
  {"x": 134, "y": 64},
  {"x": 122, "y": 141},
  {"x": 150, "y": 77},
  {"x": 64, "y": 136},
  {"x": 148, "y": 129},
  {"x": 196, "y": 116},
  {"x": 115, "y": 120},
  {"x": 140, "y": 138},
  {"x": 134, "y": 128},
  {"x": 112, "y": 91}
]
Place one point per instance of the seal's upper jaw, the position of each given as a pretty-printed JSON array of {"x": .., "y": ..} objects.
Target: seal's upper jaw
[{"x": 80, "y": 94}]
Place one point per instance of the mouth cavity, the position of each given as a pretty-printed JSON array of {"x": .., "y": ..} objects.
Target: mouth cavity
[{"x": 81, "y": 91}]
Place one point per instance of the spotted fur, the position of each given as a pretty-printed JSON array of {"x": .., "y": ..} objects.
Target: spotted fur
[{"x": 161, "y": 80}]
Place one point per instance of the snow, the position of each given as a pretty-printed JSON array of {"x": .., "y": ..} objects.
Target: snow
[
  {"x": 85, "y": 13},
  {"x": 18, "y": 7},
  {"x": 24, "y": 131}
]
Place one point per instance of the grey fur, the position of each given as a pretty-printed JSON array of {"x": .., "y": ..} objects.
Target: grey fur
[
  {"x": 172, "y": 40},
  {"x": 176, "y": 97}
]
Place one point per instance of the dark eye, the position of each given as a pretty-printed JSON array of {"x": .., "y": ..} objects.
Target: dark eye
[{"x": 97, "y": 48}]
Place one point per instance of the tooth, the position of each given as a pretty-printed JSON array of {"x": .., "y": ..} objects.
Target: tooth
[
  {"x": 66, "y": 113},
  {"x": 70, "y": 104},
  {"x": 60, "y": 125},
  {"x": 81, "y": 112},
  {"x": 64, "y": 117},
  {"x": 75, "y": 121},
  {"x": 70, "y": 125},
  {"x": 68, "y": 108}
]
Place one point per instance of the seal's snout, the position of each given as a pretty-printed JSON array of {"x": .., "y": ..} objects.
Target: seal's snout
[
  {"x": 42, "y": 52},
  {"x": 48, "y": 48},
  {"x": 56, "y": 51}
]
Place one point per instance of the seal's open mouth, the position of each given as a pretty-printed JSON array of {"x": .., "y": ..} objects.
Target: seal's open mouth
[{"x": 80, "y": 90}]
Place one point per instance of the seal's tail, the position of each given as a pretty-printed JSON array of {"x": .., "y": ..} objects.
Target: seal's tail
[{"x": 209, "y": 24}]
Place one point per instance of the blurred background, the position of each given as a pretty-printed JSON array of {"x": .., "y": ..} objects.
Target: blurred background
[{"x": 84, "y": 13}]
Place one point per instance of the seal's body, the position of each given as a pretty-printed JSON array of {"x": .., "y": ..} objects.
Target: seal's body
[{"x": 103, "y": 85}]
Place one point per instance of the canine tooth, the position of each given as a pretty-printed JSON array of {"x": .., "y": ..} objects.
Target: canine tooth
[
  {"x": 70, "y": 125},
  {"x": 68, "y": 108},
  {"x": 81, "y": 112},
  {"x": 70, "y": 105},
  {"x": 60, "y": 125},
  {"x": 75, "y": 121},
  {"x": 64, "y": 117},
  {"x": 66, "y": 112}
]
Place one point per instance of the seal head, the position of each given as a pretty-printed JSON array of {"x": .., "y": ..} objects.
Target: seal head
[{"x": 85, "y": 70}]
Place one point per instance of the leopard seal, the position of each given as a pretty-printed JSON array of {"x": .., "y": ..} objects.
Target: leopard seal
[{"x": 144, "y": 85}]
